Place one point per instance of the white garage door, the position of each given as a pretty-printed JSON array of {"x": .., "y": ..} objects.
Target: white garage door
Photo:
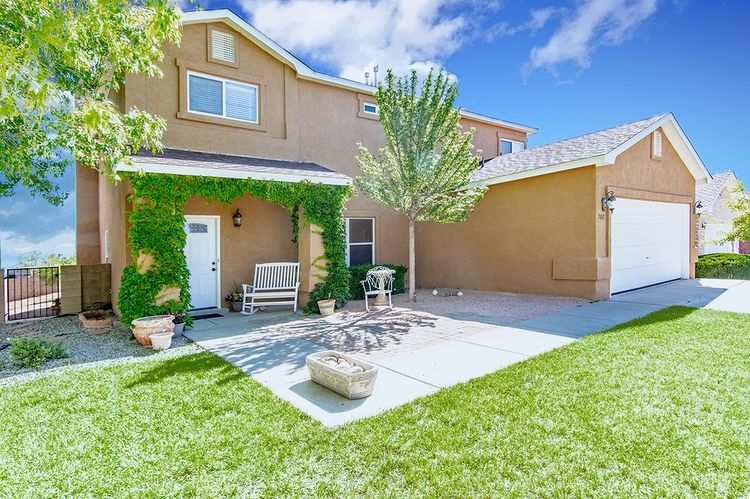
[{"x": 650, "y": 243}]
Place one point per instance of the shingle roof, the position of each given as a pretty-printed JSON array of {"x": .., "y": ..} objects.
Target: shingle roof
[
  {"x": 707, "y": 193},
  {"x": 238, "y": 166},
  {"x": 573, "y": 149}
]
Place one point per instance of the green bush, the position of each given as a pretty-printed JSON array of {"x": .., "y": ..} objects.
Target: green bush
[
  {"x": 723, "y": 266},
  {"x": 359, "y": 272},
  {"x": 33, "y": 352}
]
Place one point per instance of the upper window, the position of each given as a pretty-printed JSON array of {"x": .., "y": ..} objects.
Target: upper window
[
  {"x": 509, "y": 146},
  {"x": 222, "y": 46},
  {"x": 360, "y": 241},
  {"x": 221, "y": 97},
  {"x": 370, "y": 108}
]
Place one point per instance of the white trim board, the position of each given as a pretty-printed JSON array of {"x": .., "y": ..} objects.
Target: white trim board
[
  {"x": 306, "y": 72},
  {"x": 229, "y": 173}
]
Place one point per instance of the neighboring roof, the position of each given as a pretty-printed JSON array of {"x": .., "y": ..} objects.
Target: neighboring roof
[
  {"x": 203, "y": 164},
  {"x": 306, "y": 72},
  {"x": 598, "y": 148},
  {"x": 709, "y": 192}
]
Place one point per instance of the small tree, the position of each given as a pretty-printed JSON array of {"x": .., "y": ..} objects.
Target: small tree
[
  {"x": 59, "y": 62},
  {"x": 741, "y": 223},
  {"x": 424, "y": 170}
]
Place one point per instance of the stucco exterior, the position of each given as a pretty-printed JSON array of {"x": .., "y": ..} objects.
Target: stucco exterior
[
  {"x": 300, "y": 120},
  {"x": 548, "y": 234}
]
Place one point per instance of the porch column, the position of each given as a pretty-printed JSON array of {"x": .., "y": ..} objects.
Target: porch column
[{"x": 311, "y": 261}]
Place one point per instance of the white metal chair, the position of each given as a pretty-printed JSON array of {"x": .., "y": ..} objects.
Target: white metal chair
[
  {"x": 379, "y": 280},
  {"x": 272, "y": 281}
]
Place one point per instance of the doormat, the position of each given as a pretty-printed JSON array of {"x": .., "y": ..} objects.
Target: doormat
[{"x": 206, "y": 316}]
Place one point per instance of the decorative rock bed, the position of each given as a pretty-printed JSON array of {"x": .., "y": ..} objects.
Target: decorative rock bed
[{"x": 345, "y": 375}]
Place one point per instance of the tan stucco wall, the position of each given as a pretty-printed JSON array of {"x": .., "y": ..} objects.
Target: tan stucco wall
[
  {"x": 87, "y": 216},
  {"x": 513, "y": 237},
  {"x": 265, "y": 236},
  {"x": 113, "y": 207},
  {"x": 636, "y": 175}
]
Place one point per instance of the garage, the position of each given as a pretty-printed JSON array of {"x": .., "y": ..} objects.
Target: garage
[{"x": 650, "y": 243}]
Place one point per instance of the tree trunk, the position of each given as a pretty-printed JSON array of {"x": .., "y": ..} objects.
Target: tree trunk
[{"x": 412, "y": 264}]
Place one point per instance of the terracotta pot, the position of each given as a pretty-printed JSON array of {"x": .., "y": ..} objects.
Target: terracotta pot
[
  {"x": 146, "y": 326},
  {"x": 326, "y": 307},
  {"x": 236, "y": 306},
  {"x": 161, "y": 341},
  {"x": 178, "y": 328}
]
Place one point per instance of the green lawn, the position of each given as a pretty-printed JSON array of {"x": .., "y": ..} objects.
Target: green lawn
[{"x": 657, "y": 407}]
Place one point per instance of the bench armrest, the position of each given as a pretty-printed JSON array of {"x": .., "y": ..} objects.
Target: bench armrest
[{"x": 247, "y": 288}]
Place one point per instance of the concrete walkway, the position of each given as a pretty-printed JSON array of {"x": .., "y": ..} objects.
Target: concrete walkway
[{"x": 419, "y": 353}]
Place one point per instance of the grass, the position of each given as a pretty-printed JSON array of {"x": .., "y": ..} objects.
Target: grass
[
  {"x": 657, "y": 407},
  {"x": 723, "y": 266}
]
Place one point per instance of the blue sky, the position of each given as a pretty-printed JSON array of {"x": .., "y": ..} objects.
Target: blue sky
[{"x": 566, "y": 67}]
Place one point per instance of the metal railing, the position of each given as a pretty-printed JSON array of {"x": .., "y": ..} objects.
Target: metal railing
[{"x": 31, "y": 293}]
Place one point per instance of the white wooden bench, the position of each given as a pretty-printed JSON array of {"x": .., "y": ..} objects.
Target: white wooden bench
[{"x": 274, "y": 282}]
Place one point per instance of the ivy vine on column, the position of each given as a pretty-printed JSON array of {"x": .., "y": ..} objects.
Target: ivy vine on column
[{"x": 157, "y": 237}]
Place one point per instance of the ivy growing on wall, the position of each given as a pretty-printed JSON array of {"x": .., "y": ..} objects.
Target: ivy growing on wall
[{"x": 157, "y": 237}]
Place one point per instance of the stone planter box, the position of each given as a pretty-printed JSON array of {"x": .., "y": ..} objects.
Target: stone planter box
[
  {"x": 146, "y": 326},
  {"x": 96, "y": 319},
  {"x": 345, "y": 375}
]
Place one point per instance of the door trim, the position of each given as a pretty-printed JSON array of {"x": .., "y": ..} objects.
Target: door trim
[{"x": 217, "y": 218}]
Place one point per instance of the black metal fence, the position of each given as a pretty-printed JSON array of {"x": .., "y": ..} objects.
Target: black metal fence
[{"x": 31, "y": 293}]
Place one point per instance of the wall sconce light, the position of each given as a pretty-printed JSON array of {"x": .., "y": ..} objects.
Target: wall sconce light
[
  {"x": 237, "y": 218},
  {"x": 608, "y": 201},
  {"x": 698, "y": 208}
]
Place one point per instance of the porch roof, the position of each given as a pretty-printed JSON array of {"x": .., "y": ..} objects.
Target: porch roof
[{"x": 204, "y": 164}]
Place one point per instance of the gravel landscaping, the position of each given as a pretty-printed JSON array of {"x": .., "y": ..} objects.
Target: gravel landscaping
[
  {"x": 85, "y": 347},
  {"x": 492, "y": 306}
]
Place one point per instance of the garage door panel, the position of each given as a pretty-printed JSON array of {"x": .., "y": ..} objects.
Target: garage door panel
[{"x": 649, "y": 243}]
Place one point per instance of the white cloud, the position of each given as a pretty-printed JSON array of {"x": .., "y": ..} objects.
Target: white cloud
[
  {"x": 13, "y": 244},
  {"x": 592, "y": 24},
  {"x": 537, "y": 20},
  {"x": 352, "y": 36}
]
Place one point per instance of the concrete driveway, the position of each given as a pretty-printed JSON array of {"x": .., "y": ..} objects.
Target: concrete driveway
[{"x": 418, "y": 352}]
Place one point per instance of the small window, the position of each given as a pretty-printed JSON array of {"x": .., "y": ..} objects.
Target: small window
[
  {"x": 510, "y": 146},
  {"x": 195, "y": 228},
  {"x": 360, "y": 241},
  {"x": 222, "y": 46},
  {"x": 219, "y": 97},
  {"x": 370, "y": 108},
  {"x": 656, "y": 151}
]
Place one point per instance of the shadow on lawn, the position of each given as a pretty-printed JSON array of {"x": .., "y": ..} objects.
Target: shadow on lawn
[{"x": 201, "y": 363}]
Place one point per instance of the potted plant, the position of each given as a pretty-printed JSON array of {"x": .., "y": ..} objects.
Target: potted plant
[
  {"x": 179, "y": 323},
  {"x": 327, "y": 306},
  {"x": 234, "y": 297}
]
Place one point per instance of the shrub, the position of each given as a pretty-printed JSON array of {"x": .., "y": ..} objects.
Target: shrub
[
  {"x": 359, "y": 272},
  {"x": 723, "y": 266},
  {"x": 33, "y": 352}
]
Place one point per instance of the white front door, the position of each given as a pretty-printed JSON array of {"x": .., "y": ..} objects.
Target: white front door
[
  {"x": 650, "y": 243},
  {"x": 202, "y": 252}
]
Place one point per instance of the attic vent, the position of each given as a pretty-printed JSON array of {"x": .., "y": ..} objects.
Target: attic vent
[
  {"x": 222, "y": 46},
  {"x": 656, "y": 151}
]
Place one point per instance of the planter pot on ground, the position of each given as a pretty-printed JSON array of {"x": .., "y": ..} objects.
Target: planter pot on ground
[
  {"x": 178, "y": 328},
  {"x": 161, "y": 341},
  {"x": 96, "y": 319},
  {"x": 345, "y": 375},
  {"x": 236, "y": 306},
  {"x": 144, "y": 327},
  {"x": 326, "y": 307}
]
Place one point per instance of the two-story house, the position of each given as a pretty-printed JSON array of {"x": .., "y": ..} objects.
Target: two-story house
[{"x": 238, "y": 105}]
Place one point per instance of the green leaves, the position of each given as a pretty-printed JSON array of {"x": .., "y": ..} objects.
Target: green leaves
[
  {"x": 157, "y": 223},
  {"x": 59, "y": 62},
  {"x": 741, "y": 223},
  {"x": 425, "y": 168}
]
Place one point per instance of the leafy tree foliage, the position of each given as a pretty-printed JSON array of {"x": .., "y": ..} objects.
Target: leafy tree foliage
[
  {"x": 59, "y": 62},
  {"x": 424, "y": 170},
  {"x": 35, "y": 259},
  {"x": 741, "y": 223}
]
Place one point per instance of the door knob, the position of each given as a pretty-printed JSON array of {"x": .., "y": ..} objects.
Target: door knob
[{"x": 213, "y": 270}]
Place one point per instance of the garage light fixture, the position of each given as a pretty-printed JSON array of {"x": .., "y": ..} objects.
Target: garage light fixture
[
  {"x": 608, "y": 201},
  {"x": 698, "y": 208},
  {"x": 237, "y": 218}
]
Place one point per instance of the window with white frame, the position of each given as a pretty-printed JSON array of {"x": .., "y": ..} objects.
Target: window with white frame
[
  {"x": 214, "y": 96},
  {"x": 370, "y": 108},
  {"x": 360, "y": 241},
  {"x": 508, "y": 146}
]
